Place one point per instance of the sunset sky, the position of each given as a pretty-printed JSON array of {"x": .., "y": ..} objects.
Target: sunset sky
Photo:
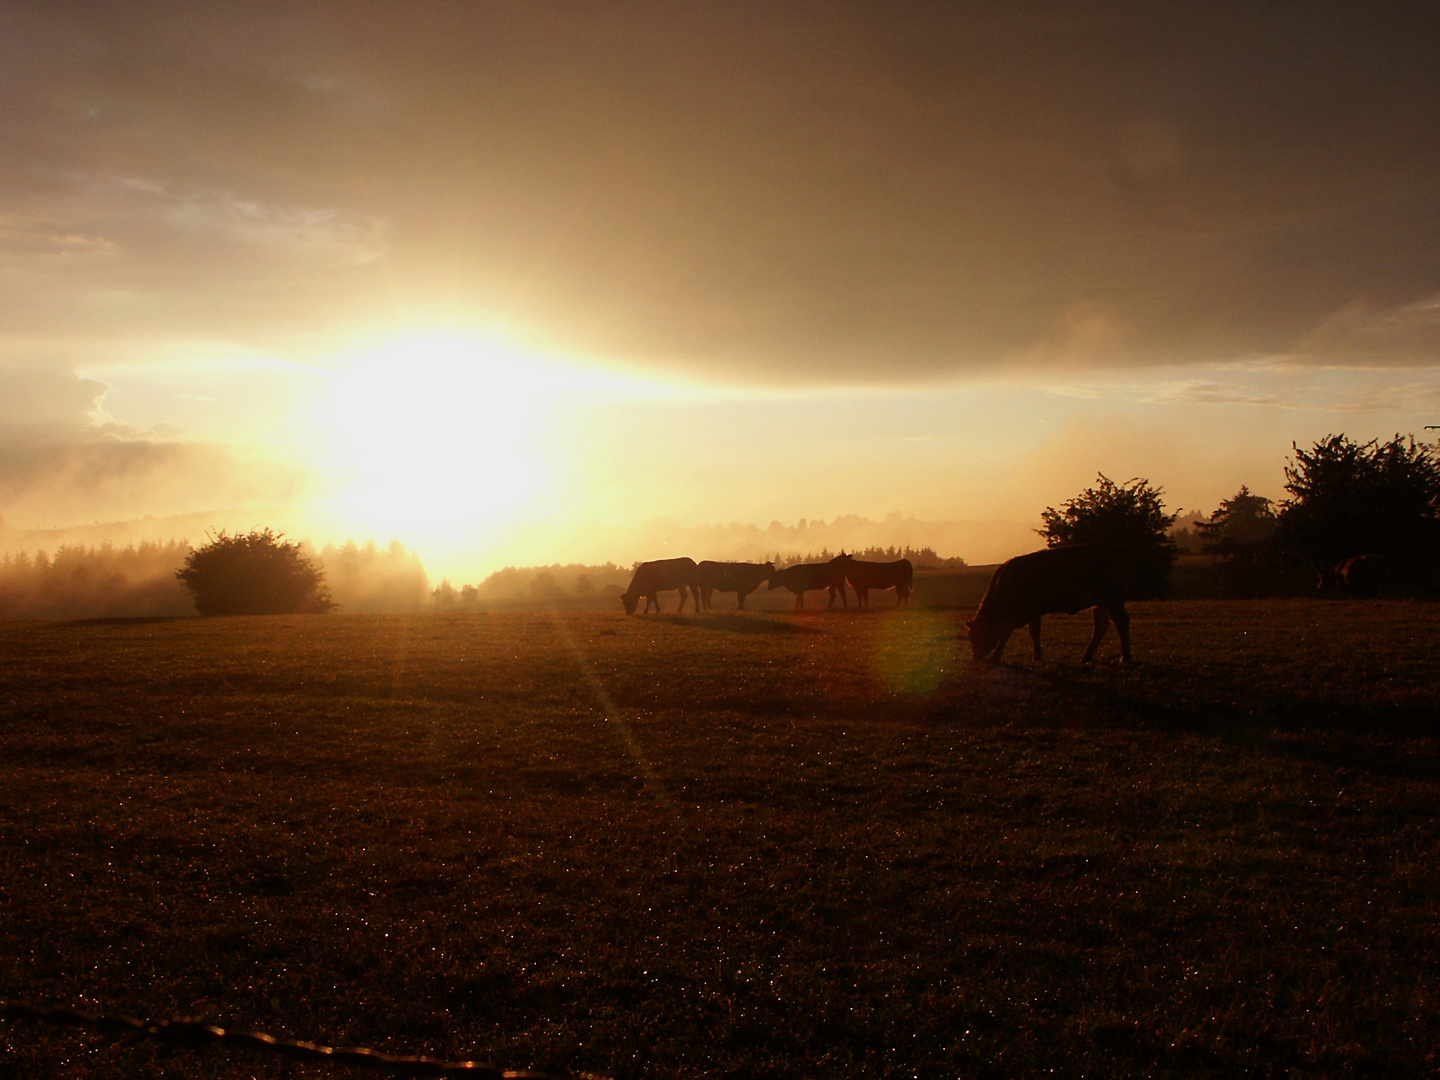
[{"x": 513, "y": 282}]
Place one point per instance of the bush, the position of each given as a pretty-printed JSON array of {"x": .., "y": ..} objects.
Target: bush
[
  {"x": 254, "y": 574},
  {"x": 1129, "y": 515},
  {"x": 1351, "y": 499}
]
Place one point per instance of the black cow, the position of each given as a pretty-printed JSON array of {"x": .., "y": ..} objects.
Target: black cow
[
  {"x": 805, "y": 577},
  {"x": 1066, "y": 579},
  {"x": 653, "y": 578},
  {"x": 1363, "y": 575},
  {"x": 864, "y": 576},
  {"x": 741, "y": 578}
]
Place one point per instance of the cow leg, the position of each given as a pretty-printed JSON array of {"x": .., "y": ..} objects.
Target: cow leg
[
  {"x": 1102, "y": 623},
  {"x": 740, "y": 595},
  {"x": 684, "y": 595},
  {"x": 1034, "y": 627},
  {"x": 652, "y": 598},
  {"x": 999, "y": 650},
  {"x": 800, "y": 599},
  {"x": 1122, "y": 625}
]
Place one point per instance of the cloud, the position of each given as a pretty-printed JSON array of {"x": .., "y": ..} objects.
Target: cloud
[
  {"x": 65, "y": 460},
  {"x": 1286, "y": 384},
  {"x": 1363, "y": 332},
  {"x": 65, "y": 483},
  {"x": 47, "y": 400},
  {"x": 324, "y": 235},
  {"x": 811, "y": 195},
  {"x": 35, "y": 239}
]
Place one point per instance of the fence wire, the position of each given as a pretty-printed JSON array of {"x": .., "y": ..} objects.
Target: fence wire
[{"x": 196, "y": 1034}]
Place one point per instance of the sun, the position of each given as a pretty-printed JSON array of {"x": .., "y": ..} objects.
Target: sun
[{"x": 434, "y": 436}]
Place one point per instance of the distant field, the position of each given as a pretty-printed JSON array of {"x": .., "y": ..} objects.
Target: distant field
[{"x": 821, "y": 844}]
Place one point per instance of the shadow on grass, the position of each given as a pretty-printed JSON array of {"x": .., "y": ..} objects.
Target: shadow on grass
[
  {"x": 1156, "y": 696},
  {"x": 738, "y": 624},
  {"x": 129, "y": 620}
]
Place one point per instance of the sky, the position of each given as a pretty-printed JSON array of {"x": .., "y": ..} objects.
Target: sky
[{"x": 522, "y": 283}]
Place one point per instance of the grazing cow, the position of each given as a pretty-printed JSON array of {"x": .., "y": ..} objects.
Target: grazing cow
[
  {"x": 804, "y": 577},
  {"x": 653, "y": 578},
  {"x": 864, "y": 576},
  {"x": 741, "y": 578},
  {"x": 1066, "y": 579},
  {"x": 1364, "y": 575}
]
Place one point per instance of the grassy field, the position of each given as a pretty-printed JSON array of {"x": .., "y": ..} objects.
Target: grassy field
[{"x": 821, "y": 844}]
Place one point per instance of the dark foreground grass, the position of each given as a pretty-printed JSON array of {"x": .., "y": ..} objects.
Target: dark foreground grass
[{"x": 732, "y": 845}]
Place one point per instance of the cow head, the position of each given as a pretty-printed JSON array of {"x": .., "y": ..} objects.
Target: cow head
[
  {"x": 629, "y": 601},
  {"x": 983, "y": 639},
  {"x": 1331, "y": 577}
]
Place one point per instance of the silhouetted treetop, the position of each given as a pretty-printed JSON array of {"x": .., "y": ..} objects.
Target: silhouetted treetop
[
  {"x": 1242, "y": 523},
  {"x": 1350, "y": 498},
  {"x": 254, "y": 574},
  {"x": 1130, "y": 515}
]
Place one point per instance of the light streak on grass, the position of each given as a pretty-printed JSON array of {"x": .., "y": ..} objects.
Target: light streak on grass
[{"x": 612, "y": 712}]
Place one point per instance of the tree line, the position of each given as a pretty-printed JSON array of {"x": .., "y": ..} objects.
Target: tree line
[
  {"x": 235, "y": 573},
  {"x": 1345, "y": 499},
  {"x": 922, "y": 558}
]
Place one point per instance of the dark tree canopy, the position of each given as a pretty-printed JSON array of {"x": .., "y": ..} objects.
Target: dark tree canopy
[
  {"x": 1130, "y": 515},
  {"x": 1351, "y": 499},
  {"x": 1241, "y": 524},
  {"x": 254, "y": 574}
]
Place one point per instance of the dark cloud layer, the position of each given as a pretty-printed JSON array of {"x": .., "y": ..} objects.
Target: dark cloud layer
[{"x": 789, "y": 192}]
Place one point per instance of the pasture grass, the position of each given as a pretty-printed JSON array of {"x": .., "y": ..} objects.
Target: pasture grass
[{"x": 758, "y": 844}]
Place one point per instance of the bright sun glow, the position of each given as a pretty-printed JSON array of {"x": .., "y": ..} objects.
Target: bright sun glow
[{"x": 433, "y": 436}]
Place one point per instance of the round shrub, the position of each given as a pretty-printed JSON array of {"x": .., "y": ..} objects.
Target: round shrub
[{"x": 256, "y": 573}]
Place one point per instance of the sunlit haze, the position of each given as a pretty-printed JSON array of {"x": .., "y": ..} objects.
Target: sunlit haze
[{"x": 520, "y": 284}]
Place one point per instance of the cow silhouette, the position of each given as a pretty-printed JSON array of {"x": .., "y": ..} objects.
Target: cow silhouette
[
  {"x": 864, "y": 576},
  {"x": 661, "y": 575},
  {"x": 1069, "y": 579},
  {"x": 807, "y": 577},
  {"x": 741, "y": 578}
]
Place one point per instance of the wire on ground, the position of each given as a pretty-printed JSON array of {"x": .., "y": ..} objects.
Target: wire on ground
[{"x": 196, "y": 1034}]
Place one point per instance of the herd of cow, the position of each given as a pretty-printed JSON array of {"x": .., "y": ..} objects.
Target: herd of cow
[
  {"x": 1067, "y": 579},
  {"x": 702, "y": 580}
]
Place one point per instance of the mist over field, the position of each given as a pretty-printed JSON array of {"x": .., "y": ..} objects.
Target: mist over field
[{"x": 138, "y": 581}]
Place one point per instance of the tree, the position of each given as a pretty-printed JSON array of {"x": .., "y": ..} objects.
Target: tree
[
  {"x": 1130, "y": 515},
  {"x": 1351, "y": 499},
  {"x": 254, "y": 574},
  {"x": 1242, "y": 531},
  {"x": 1241, "y": 525}
]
